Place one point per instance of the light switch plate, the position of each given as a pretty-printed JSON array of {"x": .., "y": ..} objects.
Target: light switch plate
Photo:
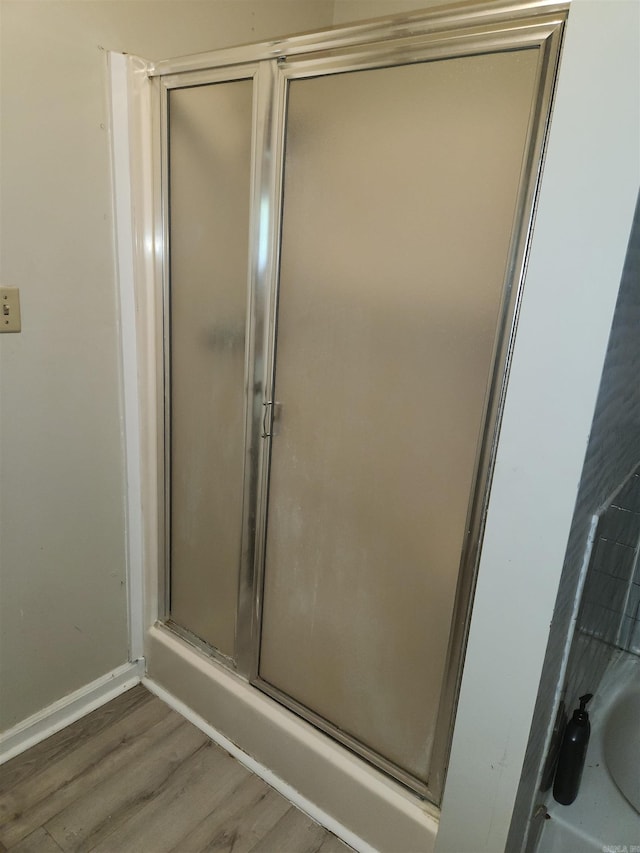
[{"x": 9, "y": 309}]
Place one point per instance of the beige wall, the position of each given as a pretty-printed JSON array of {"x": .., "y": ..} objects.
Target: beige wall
[
  {"x": 347, "y": 11},
  {"x": 62, "y": 595}
]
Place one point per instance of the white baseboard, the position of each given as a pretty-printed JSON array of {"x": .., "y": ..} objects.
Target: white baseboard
[
  {"x": 70, "y": 708},
  {"x": 332, "y": 785}
]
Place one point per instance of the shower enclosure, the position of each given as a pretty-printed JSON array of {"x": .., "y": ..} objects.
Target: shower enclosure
[{"x": 345, "y": 224}]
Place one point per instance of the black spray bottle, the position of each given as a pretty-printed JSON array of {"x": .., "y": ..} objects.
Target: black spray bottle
[{"x": 572, "y": 755}]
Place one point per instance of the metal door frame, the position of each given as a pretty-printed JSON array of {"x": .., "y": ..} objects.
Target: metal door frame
[{"x": 450, "y": 32}]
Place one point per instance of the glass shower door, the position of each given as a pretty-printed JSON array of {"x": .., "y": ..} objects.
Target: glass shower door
[
  {"x": 345, "y": 219},
  {"x": 210, "y": 136},
  {"x": 400, "y": 190}
]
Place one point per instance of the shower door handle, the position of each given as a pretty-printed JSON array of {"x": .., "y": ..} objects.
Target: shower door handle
[
  {"x": 270, "y": 417},
  {"x": 268, "y": 411}
]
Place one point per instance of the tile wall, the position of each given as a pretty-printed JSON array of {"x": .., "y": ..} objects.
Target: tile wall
[{"x": 610, "y": 610}]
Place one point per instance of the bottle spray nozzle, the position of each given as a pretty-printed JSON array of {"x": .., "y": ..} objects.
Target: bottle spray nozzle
[{"x": 584, "y": 699}]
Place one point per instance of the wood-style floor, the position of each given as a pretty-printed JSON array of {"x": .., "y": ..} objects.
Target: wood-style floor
[{"x": 136, "y": 777}]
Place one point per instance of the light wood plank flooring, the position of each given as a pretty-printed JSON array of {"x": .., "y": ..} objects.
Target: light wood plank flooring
[{"x": 136, "y": 777}]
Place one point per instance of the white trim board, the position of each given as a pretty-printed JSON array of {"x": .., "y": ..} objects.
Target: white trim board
[
  {"x": 125, "y": 251},
  {"x": 334, "y": 787},
  {"x": 67, "y": 710}
]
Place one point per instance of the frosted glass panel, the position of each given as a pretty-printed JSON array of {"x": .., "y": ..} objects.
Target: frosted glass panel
[
  {"x": 209, "y": 161},
  {"x": 399, "y": 197}
]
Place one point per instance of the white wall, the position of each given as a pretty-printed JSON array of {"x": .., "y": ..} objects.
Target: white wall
[{"x": 63, "y": 618}]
